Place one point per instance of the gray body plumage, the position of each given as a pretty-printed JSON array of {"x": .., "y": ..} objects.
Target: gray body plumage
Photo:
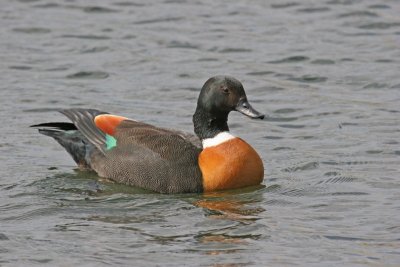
[
  {"x": 153, "y": 158},
  {"x": 146, "y": 156}
]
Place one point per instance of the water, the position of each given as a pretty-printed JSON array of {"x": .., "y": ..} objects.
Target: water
[{"x": 325, "y": 72}]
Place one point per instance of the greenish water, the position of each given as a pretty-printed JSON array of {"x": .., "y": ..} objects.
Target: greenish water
[{"x": 325, "y": 72}]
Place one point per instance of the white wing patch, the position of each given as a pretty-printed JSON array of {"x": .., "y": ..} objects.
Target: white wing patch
[{"x": 218, "y": 139}]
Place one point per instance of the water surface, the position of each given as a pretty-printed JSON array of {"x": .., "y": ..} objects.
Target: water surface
[{"x": 325, "y": 72}]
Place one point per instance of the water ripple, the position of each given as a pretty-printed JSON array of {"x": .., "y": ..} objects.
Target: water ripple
[
  {"x": 285, "y": 5},
  {"x": 323, "y": 62},
  {"x": 20, "y": 67},
  {"x": 379, "y": 6},
  {"x": 86, "y": 36},
  {"x": 293, "y": 59},
  {"x": 32, "y": 30},
  {"x": 309, "y": 79},
  {"x": 95, "y": 49},
  {"x": 235, "y": 50},
  {"x": 3, "y": 237},
  {"x": 260, "y": 73},
  {"x": 379, "y": 25},
  {"x": 98, "y": 9},
  {"x": 303, "y": 167},
  {"x": 88, "y": 75},
  {"x": 346, "y": 238},
  {"x": 360, "y": 13},
  {"x": 338, "y": 179},
  {"x": 159, "y": 20},
  {"x": 313, "y": 9},
  {"x": 292, "y": 126},
  {"x": 47, "y": 5},
  {"x": 177, "y": 44}
]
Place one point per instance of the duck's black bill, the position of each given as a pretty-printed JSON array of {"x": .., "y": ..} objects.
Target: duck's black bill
[{"x": 245, "y": 108}]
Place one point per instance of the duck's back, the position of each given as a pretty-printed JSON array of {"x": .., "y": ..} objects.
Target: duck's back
[{"x": 150, "y": 157}]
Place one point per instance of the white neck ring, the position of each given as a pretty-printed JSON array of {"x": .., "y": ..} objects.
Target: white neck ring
[{"x": 217, "y": 140}]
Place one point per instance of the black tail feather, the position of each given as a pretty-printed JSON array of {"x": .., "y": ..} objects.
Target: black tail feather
[
  {"x": 73, "y": 142},
  {"x": 80, "y": 137},
  {"x": 65, "y": 126}
]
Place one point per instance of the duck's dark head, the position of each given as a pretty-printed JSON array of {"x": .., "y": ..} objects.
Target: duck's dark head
[{"x": 219, "y": 96}]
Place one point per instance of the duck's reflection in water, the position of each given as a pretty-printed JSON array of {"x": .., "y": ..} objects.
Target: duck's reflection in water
[
  {"x": 239, "y": 205},
  {"x": 234, "y": 215}
]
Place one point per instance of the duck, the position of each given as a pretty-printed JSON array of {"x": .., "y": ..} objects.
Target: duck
[{"x": 165, "y": 160}]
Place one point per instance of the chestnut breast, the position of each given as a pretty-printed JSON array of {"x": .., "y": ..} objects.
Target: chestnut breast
[{"x": 231, "y": 164}]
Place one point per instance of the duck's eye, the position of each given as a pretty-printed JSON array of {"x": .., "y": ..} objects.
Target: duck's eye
[{"x": 225, "y": 90}]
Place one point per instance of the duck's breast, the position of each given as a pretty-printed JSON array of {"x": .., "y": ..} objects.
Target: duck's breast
[{"x": 231, "y": 164}]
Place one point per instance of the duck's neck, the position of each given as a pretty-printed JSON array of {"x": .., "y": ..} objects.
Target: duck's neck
[{"x": 208, "y": 125}]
